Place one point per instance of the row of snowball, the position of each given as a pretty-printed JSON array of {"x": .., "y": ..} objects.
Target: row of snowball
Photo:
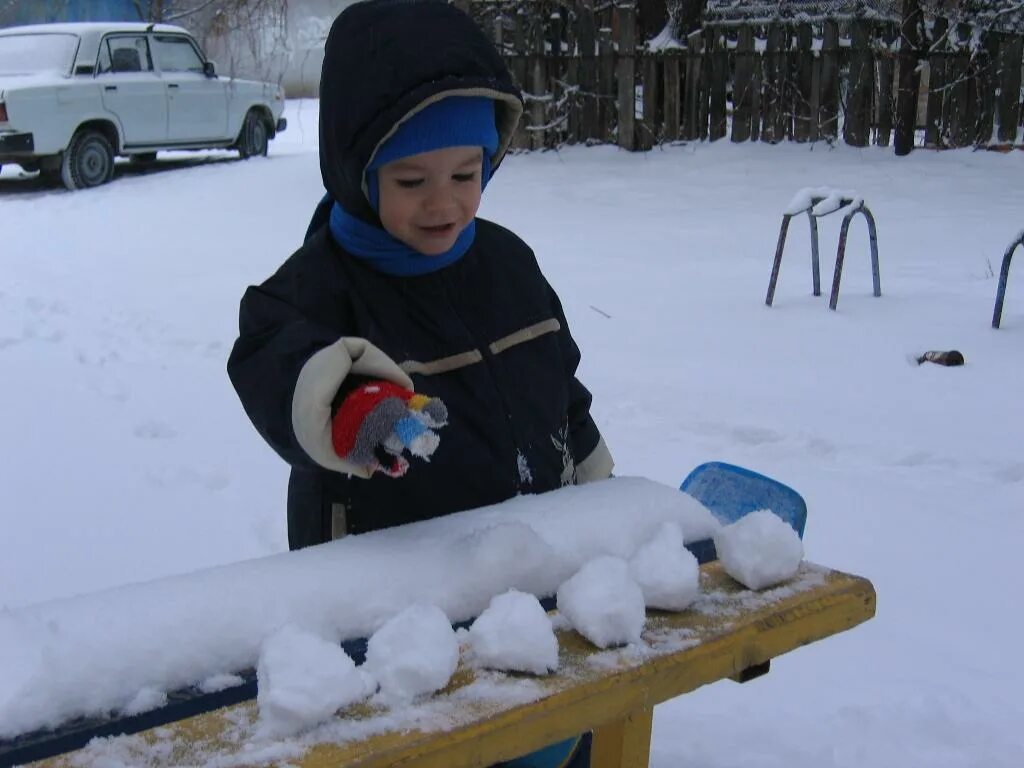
[{"x": 304, "y": 679}]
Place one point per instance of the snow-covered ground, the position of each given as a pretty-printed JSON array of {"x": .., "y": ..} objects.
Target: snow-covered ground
[{"x": 127, "y": 457}]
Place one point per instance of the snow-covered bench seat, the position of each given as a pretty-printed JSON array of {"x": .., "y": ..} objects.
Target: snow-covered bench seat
[{"x": 485, "y": 717}]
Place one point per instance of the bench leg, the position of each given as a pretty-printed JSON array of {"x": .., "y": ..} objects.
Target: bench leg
[{"x": 624, "y": 743}]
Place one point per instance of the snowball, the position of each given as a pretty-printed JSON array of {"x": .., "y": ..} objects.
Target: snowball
[
  {"x": 515, "y": 633},
  {"x": 666, "y": 571},
  {"x": 413, "y": 653},
  {"x": 603, "y": 603},
  {"x": 759, "y": 550},
  {"x": 302, "y": 680}
]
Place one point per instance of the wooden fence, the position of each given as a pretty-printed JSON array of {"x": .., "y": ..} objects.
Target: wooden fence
[{"x": 588, "y": 80}]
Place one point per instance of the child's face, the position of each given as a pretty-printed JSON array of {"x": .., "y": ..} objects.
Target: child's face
[{"x": 426, "y": 200}]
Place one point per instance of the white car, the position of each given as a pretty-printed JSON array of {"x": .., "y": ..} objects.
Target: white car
[{"x": 74, "y": 96}]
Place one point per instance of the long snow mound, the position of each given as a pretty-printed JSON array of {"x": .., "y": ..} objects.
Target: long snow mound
[{"x": 96, "y": 653}]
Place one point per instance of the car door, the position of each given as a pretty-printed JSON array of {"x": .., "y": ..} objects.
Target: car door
[
  {"x": 131, "y": 89},
  {"x": 197, "y": 105}
]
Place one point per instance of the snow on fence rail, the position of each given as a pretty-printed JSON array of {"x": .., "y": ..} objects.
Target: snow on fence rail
[{"x": 587, "y": 78}]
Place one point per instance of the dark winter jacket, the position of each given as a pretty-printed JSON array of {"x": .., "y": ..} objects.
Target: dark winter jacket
[{"x": 486, "y": 334}]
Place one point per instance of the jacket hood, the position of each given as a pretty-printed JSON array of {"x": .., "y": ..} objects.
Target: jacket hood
[{"x": 385, "y": 60}]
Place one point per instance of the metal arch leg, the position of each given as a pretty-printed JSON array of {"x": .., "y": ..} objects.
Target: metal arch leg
[
  {"x": 840, "y": 256},
  {"x": 777, "y": 264},
  {"x": 1004, "y": 273},
  {"x": 873, "y": 237},
  {"x": 815, "y": 270}
]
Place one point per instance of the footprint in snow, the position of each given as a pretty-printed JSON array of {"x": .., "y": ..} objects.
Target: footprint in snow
[
  {"x": 154, "y": 430},
  {"x": 756, "y": 435},
  {"x": 1011, "y": 473}
]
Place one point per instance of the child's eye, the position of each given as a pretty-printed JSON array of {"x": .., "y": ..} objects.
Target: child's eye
[
  {"x": 409, "y": 183},
  {"x": 463, "y": 177}
]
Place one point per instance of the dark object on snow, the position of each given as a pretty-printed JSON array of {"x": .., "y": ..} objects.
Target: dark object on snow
[{"x": 952, "y": 357}]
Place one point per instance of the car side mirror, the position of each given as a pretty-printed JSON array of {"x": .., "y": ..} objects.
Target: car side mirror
[{"x": 209, "y": 69}]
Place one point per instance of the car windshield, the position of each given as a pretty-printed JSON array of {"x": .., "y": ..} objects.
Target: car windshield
[{"x": 36, "y": 53}]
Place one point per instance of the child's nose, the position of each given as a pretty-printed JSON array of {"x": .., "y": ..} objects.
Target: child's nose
[{"x": 439, "y": 199}]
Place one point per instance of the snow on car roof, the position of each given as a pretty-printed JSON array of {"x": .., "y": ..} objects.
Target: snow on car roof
[{"x": 85, "y": 27}]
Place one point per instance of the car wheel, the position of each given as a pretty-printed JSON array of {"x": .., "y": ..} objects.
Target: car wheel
[
  {"x": 253, "y": 139},
  {"x": 88, "y": 161}
]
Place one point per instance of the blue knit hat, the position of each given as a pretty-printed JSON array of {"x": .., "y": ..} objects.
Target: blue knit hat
[{"x": 454, "y": 121}]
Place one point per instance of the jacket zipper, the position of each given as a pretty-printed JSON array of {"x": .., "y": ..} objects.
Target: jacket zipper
[{"x": 488, "y": 359}]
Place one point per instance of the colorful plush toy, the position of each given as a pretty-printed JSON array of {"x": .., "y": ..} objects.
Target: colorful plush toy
[{"x": 379, "y": 420}]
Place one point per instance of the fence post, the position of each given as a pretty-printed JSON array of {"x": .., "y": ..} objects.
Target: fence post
[
  {"x": 815, "y": 133},
  {"x": 691, "y": 115},
  {"x": 572, "y": 79},
  {"x": 933, "y": 124},
  {"x": 607, "y": 111},
  {"x": 538, "y": 85},
  {"x": 828, "y": 112},
  {"x": 756, "y": 81},
  {"x": 1010, "y": 54},
  {"x": 562, "y": 75},
  {"x": 586, "y": 52},
  {"x": 627, "y": 75},
  {"x": 786, "y": 113},
  {"x": 856, "y": 127},
  {"x": 647, "y": 130},
  {"x": 960, "y": 112},
  {"x": 988, "y": 81},
  {"x": 772, "y": 127},
  {"x": 706, "y": 66},
  {"x": 885, "y": 66},
  {"x": 672, "y": 93},
  {"x": 742, "y": 94},
  {"x": 519, "y": 62},
  {"x": 803, "y": 80},
  {"x": 719, "y": 78}
]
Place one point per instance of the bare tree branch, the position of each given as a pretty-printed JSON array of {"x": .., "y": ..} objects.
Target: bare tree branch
[
  {"x": 143, "y": 15},
  {"x": 184, "y": 14}
]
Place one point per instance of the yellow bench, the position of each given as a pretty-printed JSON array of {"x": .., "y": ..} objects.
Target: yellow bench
[{"x": 482, "y": 718}]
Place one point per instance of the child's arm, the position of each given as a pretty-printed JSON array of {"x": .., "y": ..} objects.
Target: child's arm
[
  {"x": 593, "y": 459},
  {"x": 288, "y": 369}
]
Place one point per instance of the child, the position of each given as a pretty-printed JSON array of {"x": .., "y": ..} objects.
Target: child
[
  {"x": 410, "y": 360},
  {"x": 404, "y": 290}
]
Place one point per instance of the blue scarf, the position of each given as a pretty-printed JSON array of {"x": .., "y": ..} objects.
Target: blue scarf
[{"x": 387, "y": 254}]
